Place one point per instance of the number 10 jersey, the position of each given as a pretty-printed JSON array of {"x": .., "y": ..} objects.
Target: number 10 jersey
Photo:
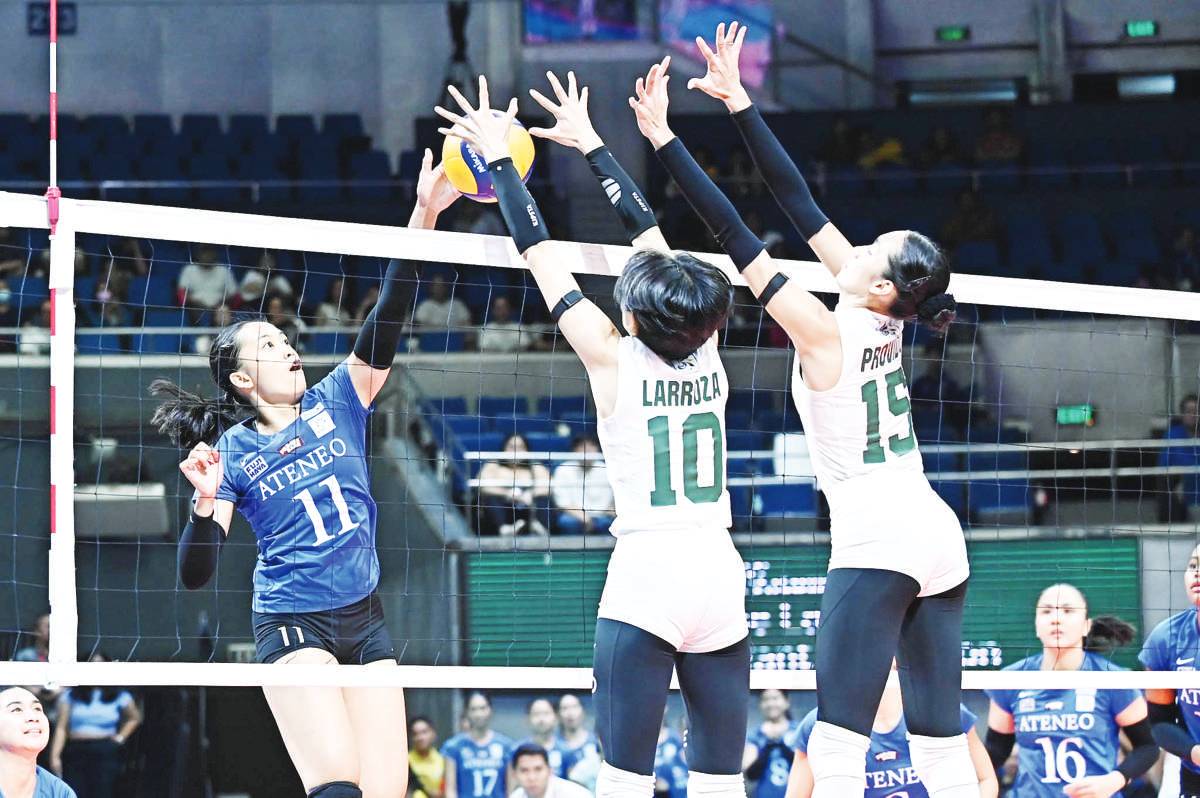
[{"x": 664, "y": 444}]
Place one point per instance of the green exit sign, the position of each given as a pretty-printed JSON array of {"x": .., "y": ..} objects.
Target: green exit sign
[
  {"x": 1141, "y": 28},
  {"x": 1075, "y": 415},
  {"x": 953, "y": 33}
]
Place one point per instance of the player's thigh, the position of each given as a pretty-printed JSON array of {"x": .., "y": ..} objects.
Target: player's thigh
[
  {"x": 315, "y": 725},
  {"x": 632, "y": 670},
  {"x": 861, "y": 614},
  {"x": 714, "y": 686},
  {"x": 378, "y": 717},
  {"x": 930, "y": 659}
]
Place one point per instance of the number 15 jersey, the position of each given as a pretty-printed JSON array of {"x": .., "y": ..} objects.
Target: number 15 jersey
[
  {"x": 306, "y": 492},
  {"x": 664, "y": 444}
]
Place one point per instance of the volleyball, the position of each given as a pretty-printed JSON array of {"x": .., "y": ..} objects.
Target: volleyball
[{"x": 468, "y": 172}]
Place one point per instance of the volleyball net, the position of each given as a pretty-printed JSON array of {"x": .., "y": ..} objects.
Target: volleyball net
[{"x": 1052, "y": 419}]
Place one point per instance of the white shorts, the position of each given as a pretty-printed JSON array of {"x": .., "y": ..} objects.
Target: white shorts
[
  {"x": 687, "y": 587},
  {"x": 894, "y": 521}
]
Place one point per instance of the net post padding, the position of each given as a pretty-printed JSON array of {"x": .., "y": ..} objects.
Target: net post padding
[{"x": 470, "y": 249}]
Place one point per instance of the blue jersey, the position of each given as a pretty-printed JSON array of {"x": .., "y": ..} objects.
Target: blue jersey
[
  {"x": 479, "y": 768},
  {"x": 554, "y": 755},
  {"x": 670, "y": 766},
  {"x": 588, "y": 749},
  {"x": 773, "y": 781},
  {"x": 307, "y": 495},
  {"x": 1063, "y": 735},
  {"x": 47, "y": 785},
  {"x": 890, "y": 772},
  {"x": 1174, "y": 645}
]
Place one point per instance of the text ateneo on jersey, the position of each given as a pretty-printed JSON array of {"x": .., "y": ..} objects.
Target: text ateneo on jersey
[
  {"x": 874, "y": 357},
  {"x": 320, "y": 457},
  {"x": 681, "y": 393}
]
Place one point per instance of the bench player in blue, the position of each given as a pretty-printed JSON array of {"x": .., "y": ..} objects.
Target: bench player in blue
[
  {"x": 292, "y": 460},
  {"x": 543, "y": 727},
  {"x": 1068, "y": 740},
  {"x": 1174, "y": 645},
  {"x": 477, "y": 760},
  {"x": 768, "y": 758}
]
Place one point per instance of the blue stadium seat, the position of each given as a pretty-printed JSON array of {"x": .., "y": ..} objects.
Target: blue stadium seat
[
  {"x": 1135, "y": 239},
  {"x": 947, "y": 179},
  {"x": 326, "y": 343},
  {"x": 153, "y": 291},
  {"x": 1080, "y": 239},
  {"x": 152, "y": 127},
  {"x": 320, "y": 166},
  {"x": 373, "y": 166},
  {"x": 28, "y": 290},
  {"x": 1029, "y": 249},
  {"x": 999, "y": 177},
  {"x": 1096, "y": 160},
  {"x": 450, "y": 405},
  {"x": 503, "y": 406},
  {"x": 526, "y": 425},
  {"x": 952, "y": 491},
  {"x": 248, "y": 129},
  {"x": 441, "y": 341},
  {"x": 785, "y": 501},
  {"x": 740, "y": 440},
  {"x": 559, "y": 407},
  {"x": 998, "y": 499},
  {"x": 977, "y": 257},
  {"x": 295, "y": 127},
  {"x": 342, "y": 125},
  {"x": 891, "y": 180},
  {"x": 199, "y": 130},
  {"x": 90, "y": 343},
  {"x": 547, "y": 442},
  {"x": 859, "y": 230},
  {"x": 464, "y": 425},
  {"x": 410, "y": 165},
  {"x": 849, "y": 182},
  {"x": 1047, "y": 165}
]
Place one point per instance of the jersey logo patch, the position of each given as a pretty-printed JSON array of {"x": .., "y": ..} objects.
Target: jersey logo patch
[
  {"x": 1054, "y": 706},
  {"x": 255, "y": 468},
  {"x": 1027, "y": 705},
  {"x": 291, "y": 446},
  {"x": 319, "y": 420},
  {"x": 885, "y": 756},
  {"x": 1085, "y": 702}
]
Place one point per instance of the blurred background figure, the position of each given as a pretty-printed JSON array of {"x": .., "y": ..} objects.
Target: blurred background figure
[
  {"x": 535, "y": 779},
  {"x": 426, "y": 765}
]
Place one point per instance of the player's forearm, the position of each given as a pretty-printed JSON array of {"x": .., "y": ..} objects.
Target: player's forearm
[
  {"x": 1168, "y": 732},
  {"x": 623, "y": 192},
  {"x": 383, "y": 327},
  {"x": 199, "y": 549}
]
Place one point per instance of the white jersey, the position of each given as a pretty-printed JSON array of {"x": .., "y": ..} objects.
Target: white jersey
[
  {"x": 863, "y": 423},
  {"x": 664, "y": 444}
]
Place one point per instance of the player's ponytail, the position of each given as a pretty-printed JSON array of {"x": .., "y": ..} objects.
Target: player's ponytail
[
  {"x": 1108, "y": 632},
  {"x": 187, "y": 418},
  {"x": 921, "y": 275}
]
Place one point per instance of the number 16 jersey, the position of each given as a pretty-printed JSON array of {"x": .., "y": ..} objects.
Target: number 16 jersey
[{"x": 306, "y": 493}]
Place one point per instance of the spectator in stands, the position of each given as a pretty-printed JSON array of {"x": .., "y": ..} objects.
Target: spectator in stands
[
  {"x": 875, "y": 151},
  {"x": 426, "y": 765},
  {"x": 769, "y": 236},
  {"x": 941, "y": 149},
  {"x": 37, "y": 647},
  {"x": 707, "y": 162},
  {"x": 440, "y": 310},
  {"x": 280, "y": 312},
  {"x": 40, "y": 266},
  {"x": 841, "y": 146},
  {"x": 8, "y": 318},
  {"x": 767, "y": 760},
  {"x": 581, "y": 749},
  {"x": 35, "y": 336},
  {"x": 583, "y": 497},
  {"x": 205, "y": 284},
  {"x": 512, "y": 490},
  {"x": 1182, "y": 490},
  {"x": 475, "y": 217},
  {"x": 222, "y": 317},
  {"x": 24, "y": 734},
  {"x": 93, "y": 725},
  {"x": 12, "y": 254},
  {"x": 971, "y": 220},
  {"x": 501, "y": 332},
  {"x": 999, "y": 143},
  {"x": 334, "y": 309},
  {"x": 543, "y": 732},
  {"x": 1183, "y": 266},
  {"x": 741, "y": 176},
  {"x": 260, "y": 283},
  {"x": 536, "y": 779},
  {"x": 935, "y": 393},
  {"x": 368, "y": 302},
  {"x": 670, "y": 765}
]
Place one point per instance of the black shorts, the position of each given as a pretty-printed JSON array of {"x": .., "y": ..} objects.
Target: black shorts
[
  {"x": 1189, "y": 783},
  {"x": 355, "y": 634}
]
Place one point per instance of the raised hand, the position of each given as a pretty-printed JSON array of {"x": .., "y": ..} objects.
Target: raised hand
[
  {"x": 572, "y": 125},
  {"x": 203, "y": 469},
  {"x": 485, "y": 129},
  {"x": 434, "y": 191},
  {"x": 723, "y": 79},
  {"x": 650, "y": 104}
]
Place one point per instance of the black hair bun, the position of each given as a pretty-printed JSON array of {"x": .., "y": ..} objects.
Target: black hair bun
[{"x": 937, "y": 312}]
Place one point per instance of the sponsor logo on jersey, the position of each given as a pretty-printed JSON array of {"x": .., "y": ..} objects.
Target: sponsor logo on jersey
[
  {"x": 886, "y": 756},
  {"x": 1184, "y": 660},
  {"x": 291, "y": 446},
  {"x": 1027, "y": 705},
  {"x": 319, "y": 420},
  {"x": 1055, "y": 706},
  {"x": 256, "y": 467},
  {"x": 1026, "y": 693},
  {"x": 1085, "y": 702},
  {"x": 688, "y": 362},
  {"x": 888, "y": 326}
]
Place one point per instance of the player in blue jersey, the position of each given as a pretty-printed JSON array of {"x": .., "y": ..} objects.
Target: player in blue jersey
[
  {"x": 1069, "y": 739},
  {"x": 293, "y": 461},
  {"x": 543, "y": 727},
  {"x": 1174, "y": 645},
  {"x": 670, "y": 765},
  {"x": 768, "y": 759},
  {"x": 580, "y": 748},
  {"x": 890, "y": 771},
  {"x": 477, "y": 760}
]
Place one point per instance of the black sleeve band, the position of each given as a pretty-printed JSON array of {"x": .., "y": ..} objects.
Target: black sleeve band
[
  {"x": 626, "y": 198},
  {"x": 780, "y": 173},
  {"x": 1144, "y": 753},
  {"x": 520, "y": 212},
  {"x": 199, "y": 547},
  {"x": 568, "y": 301},
  {"x": 379, "y": 337},
  {"x": 999, "y": 746},
  {"x": 1167, "y": 727},
  {"x": 777, "y": 282},
  {"x": 713, "y": 207}
]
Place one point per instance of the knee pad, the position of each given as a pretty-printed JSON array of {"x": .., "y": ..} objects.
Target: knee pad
[
  {"x": 711, "y": 785},
  {"x": 944, "y": 766},
  {"x": 616, "y": 783},
  {"x": 838, "y": 758},
  {"x": 336, "y": 789}
]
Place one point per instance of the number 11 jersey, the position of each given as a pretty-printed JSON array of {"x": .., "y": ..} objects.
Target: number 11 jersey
[{"x": 306, "y": 493}]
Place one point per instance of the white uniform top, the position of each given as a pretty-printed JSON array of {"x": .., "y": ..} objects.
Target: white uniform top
[
  {"x": 863, "y": 423},
  {"x": 557, "y": 788},
  {"x": 664, "y": 444}
]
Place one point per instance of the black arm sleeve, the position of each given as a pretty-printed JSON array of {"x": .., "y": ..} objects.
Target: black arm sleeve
[
  {"x": 780, "y": 173},
  {"x": 517, "y": 206},
  {"x": 379, "y": 337},
  {"x": 199, "y": 547},
  {"x": 626, "y": 198},
  {"x": 1144, "y": 753},
  {"x": 713, "y": 207},
  {"x": 999, "y": 746},
  {"x": 1167, "y": 727}
]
